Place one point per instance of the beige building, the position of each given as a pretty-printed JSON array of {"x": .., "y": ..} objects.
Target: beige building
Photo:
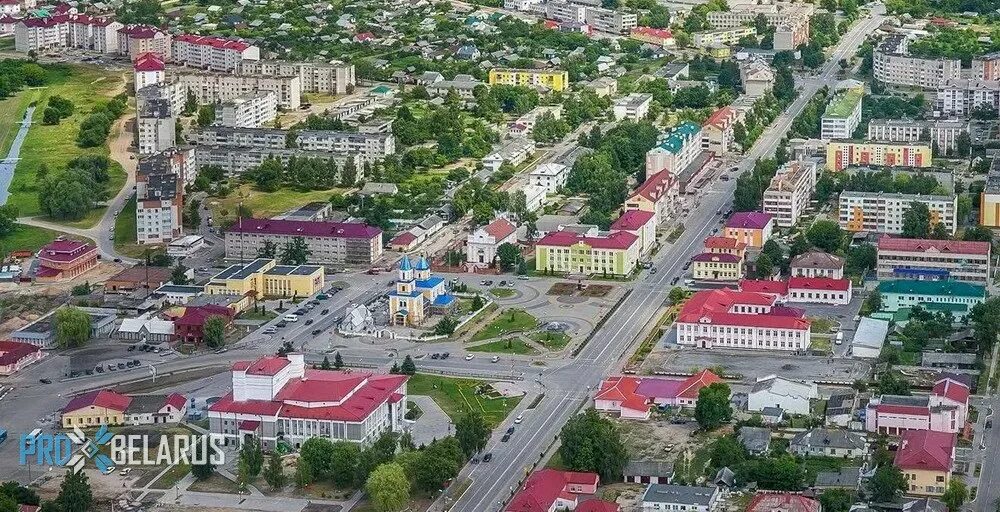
[
  {"x": 219, "y": 88},
  {"x": 328, "y": 242},
  {"x": 789, "y": 192},
  {"x": 960, "y": 97},
  {"x": 334, "y": 78},
  {"x": 725, "y": 36},
  {"x": 611, "y": 21},
  {"x": 883, "y": 212},
  {"x": 892, "y": 65}
]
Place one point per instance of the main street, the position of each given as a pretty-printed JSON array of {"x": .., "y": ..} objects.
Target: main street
[{"x": 569, "y": 387}]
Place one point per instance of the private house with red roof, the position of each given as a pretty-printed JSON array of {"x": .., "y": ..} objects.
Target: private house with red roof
[
  {"x": 926, "y": 459},
  {"x": 722, "y": 260},
  {"x": 278, "y": 398},
  {"x": 548, "y": 490},
  {"x": 63, "y": 259},
  {"x": 211, "y": 53},
  {"x": 148, "y": 69},
  {"x": 615, "y": 254},
  {"x": 15, "y": 355},
  {"x": 189, "y": 325},
  {"x": 481, "y": 245},
  {"x": 106, "y": 407},
  {"x": 820, "y": 290},
  {"x": 328, "y": 242},
  {"x": 751, "y": 228},
  {"x": 619, "y": 395},
  {"x": 728, "y": 318},
  {"x": 945, "y": 409},
  {"x": 717, "y": 133},
  {"x": 659, "y": 194},
  {"x": 915, "y": 258},
  {"x": 676, "y": 393},
  {"x": 658, "y": 36},
  {"x": 771, "y": 501},
  {"x": 639, "y": 223}
]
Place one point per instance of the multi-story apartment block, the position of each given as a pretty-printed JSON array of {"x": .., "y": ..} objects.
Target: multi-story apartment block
[
  {"x": 726, "y": 36},
  {"x": 249, "y": 111},
  {"x": 520, "y": 5},
  {"x": 616, "y": 254},
  {"x": 135, "y": 40},
  {"x": 677, "y": 149},
  {"x": 563, "y": 11},
  {"x": 944, "y": 133},
  {"x": 659, "y": 195},
  {"x": 842, "y": 115},
  {"x": 633, "y": 107},
  {"x": 959, "y": 98},
  {"x": 211, "y": 53},
  {"x": 99, "y": 34},
  {"x": 717, "y": 133},
  {"x": 790, "y": 20},
  {"x": 155, "y": 127},
  {"x": 219, "y": 88},
  {"x": 234, "y": 160},
  {"x": 892, "y": 65},
  {"x": 94, "y": 33},
  {"x": 553, "y": 79},
  {"x": 170, "y": 91},
  {"x": 788, "y": 194},
  {"x": 611, "y": 21},
  {"x": 881, "y": 212},
  {"x": 369, "y": 146},
  {"x": 8, "y": 25},
  {"x": 148, "y": 69},
  {"x": 159, "y": 203},
  {"x": 757, "y": 76},
  {"x": 789, "y": 35},
  {"x": 845, "y": 153},
  {"x": 179, "y": 161},
  {"x": 986, "y": 67},
  {"x": 743, "y": 320},
  {"x": 328, "y": 242},
  {"x": 550, "y": 176},
  {"x": 989, "y": 198},
  {"x": 912, "y": 258},
  {"x": 318, "y": 77}
]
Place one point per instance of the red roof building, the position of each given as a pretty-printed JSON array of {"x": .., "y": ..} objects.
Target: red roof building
[
  {"x": 676, "y": 393},
  {"x": 328, "y": 242},
  {"x": 619, "y": 395},
  {"x": 777, "y": 288},
  {"x": 148, "y": 62},
  {"x": 658, "y": 194},
  {"x": 212, "y": 53},
  {"x": 105, "y": 407},
  {"x": 598, "y": 505},
  {"x": 639, "y": 223},
  {"x": 481, "y": 245},
  {"x": 820, "y": 290},
  {"x": 278, "y": 394},
  {"x": 657, "y": 36},
  {"x": 946, "y": 410},
  {"x": 914, "y": 258},
  {"x": 64, "y": 259},
  {"x": 403, "y": 241},
  {"x": 189, "y": 326},
  {"x": 926, "y": 450},
  {"x": 548, "y": 489},
  {"x": 783, "y": 502},
  {"x": 15, "y": 355},
  {"x": 737, "y": 319}
]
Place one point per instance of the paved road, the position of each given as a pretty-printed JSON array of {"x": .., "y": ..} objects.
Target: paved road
[{"x": 568, "y": 387}]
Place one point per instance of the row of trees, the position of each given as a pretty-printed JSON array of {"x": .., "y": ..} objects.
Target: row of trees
[
  {"x": 76, "y": 190},
  {"x": 302, "y": 174},
  {"x": 293, "y": 252},
  {"x": 15, "y": 74},
  {"x": 96, "y": 127},
  {"x": 484, "y": 202}
]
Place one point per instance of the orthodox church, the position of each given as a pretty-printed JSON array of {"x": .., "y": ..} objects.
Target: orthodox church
[{"x": 418, "y": 294}]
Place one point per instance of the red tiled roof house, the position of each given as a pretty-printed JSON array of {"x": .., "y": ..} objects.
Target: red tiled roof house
[
  {"x": 64, "y": 259},
  {"x": 189, "y": 326},
  {"x": 548, "y": 490},
  {"x": 641, "y": 224},
  {"x": 746, "y": 320},
  {"x": 481, "y": 245},
  {"x": 926, "y": 459},
  {"x": 15, "y": 355}
]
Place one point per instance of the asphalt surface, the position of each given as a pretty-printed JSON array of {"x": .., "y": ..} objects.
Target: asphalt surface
[{"x": 568, "y": 388}]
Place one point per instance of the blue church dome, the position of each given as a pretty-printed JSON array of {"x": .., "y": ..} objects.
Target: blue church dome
[
  {"x": 405, "y": 264},
  {"x": 422, "y": 264}
]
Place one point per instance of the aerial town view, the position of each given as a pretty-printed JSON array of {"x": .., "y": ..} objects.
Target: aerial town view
[{"x": 499, "y": 255}]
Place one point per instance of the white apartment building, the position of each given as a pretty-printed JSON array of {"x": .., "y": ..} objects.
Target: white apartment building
[
  {"x": 514, "y": 152},
  {"x": 563, "y": 11},
  {"x": 158, "y": 208},
  {"x": 611, "y": 21},
  {"x": 318, "y": 77},
  {"x": 788, "y": 194},
  {"x": 958, "y": 98},
  {"x": 211, "y": 53},
  {"x": 179, "y": 161},
  {"x": 550, "y": 177},
  {"x": 135, "y": 40},
  {"x": 219, "y": 88},
  {"x": 155, "y": 127},
  {"x": 745, "y": 14},
  {"x": 676, "y": 150},
  {"x": 525, "y": 125},
  {"x": 234, "y": 160},
  {"x": 727, "y": 318},
  {"x": 944, "y": 132},
  {"x": 520, "y": 5},
  {"x": 883, "y": 212},
  {"x": 369, "y": 146},
  {"x": 842, "y": 115},
  {"x": 892, "y": 65},
  {"x": 147, "y": 70},
  {"x": 723, "y": 36},
  {"x": 249, "y": 111},
  {"x": 99, "y": 34},
  {"x": 986, "y": 67},
  {"x": 170, "y": 91},
  {"x": 633, "y": 107},
  {"x": 911, "y": 258}
]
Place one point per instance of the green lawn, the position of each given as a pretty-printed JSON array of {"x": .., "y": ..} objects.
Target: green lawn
[
  {"x": 508, "y": 346},
  {"x": 171, "y": 477},
  {"x": 125, "y": 240},
  {"x": 263, "y": 204},
  {"x": 821, "y": 325},
  {"x": 554, "y": 341},
  {"x": 55, "y": 145},
  {"x": 31, "y": 238},
  {"x": 510, "y": 320},
  {"x": 456, "y": 396},
  {"x": 502, "y": 293}
]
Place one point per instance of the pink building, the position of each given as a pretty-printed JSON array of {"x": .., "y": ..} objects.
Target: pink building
[
  {"x": 676, "y": 393},
  {"x": 16, "y": 355},
  {"x": 631, "y": 397},
  {"x": 135, "y": 40},
  {"x": 548, "y": 489},
  {"x": 944, "y": 410},
  {"x": 619, "y": 395},
  {"x": 64, "y": 259}
]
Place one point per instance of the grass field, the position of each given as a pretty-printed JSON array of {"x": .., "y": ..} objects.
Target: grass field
[
  {"x": 31, "y": 238},
  {"x": 263, "y": 204},
  {"x": 509, "y": 346},
  {"x": 171, "y": 477},
  {"x": 457, "y": 396},
  {"x": 125, "y": 232},
  {"x": 55, "y": 145},
  {"x": 511, "y": 320},
  {"x": 553, "y": 341},
  {"x": 502, "y": 293}
]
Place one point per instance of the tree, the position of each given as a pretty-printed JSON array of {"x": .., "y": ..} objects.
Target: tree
[
  {"x": 826, "y": 235},
  {"x": 836, "y": 500},
  {"x": 295, "y": 252},
  {"x": 7, "y": 503},
  {"x": 388, "y": 488},
  {"x": 508, "y": 256},
  {"x": 74, "y": 493},
  {"x": 20, "y": 494},
  {"x": 713, "y": 408},
  {"x": 727, "y": 451},
  {"x": 338, "y": 362},
  {"x": 50, "y": 116},
  {"x": 269, "y": 250},
  {"x": 873, "y": 302},
  {"x": 179, "y": 275},
  {"x": 274, "y": 473},
  {"x": 344, "y": 462},
  {"x": 917, "y": 221},
  {"x": 149, "y": 12},
  {"x": 214, "y": 332},
  {"x": 677, "y": 294},
  {"x": 978, "y": 233},
  {"x": 317, "y": 452},
  {"x": 764, "y": 266},
  {"x": 886, "y": 484},
  {"x": 326, "y": 363},
  {"x": 303, "y": 473},
  {"x": 472, "y": 432},
  {"x": 593, "y": 443},
  {"x": 253, "y": 456},
  {"x": 955, "y": 495},
  {"x": 963, "y": 144},
  {"x": 206, "y": 115},
  {"x": 446, "y": 326},
  {"x": 72, "y": 327},
  {"x": 408, "y": 367}
]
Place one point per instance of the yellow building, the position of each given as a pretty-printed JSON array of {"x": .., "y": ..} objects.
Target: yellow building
[
  {"x": 567, "y": 252},
  {"x": 722, "y": 260},
  {"x": 554, "y": 79},
  {"x": 989, "y": 198},
  {"x": 926, "y": 460},
  {"x": 265, "y": 278},
  {"x": 100, "y": 407},
  {"x": 752, "y": 228},
  {"x": 845, "y": 153}
]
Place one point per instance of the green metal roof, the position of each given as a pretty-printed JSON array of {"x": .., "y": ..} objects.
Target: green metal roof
[
  {"x": 951, "y": 288},
  {"x": 675, "y": 141},
  {"x": 843, "y": 103}
]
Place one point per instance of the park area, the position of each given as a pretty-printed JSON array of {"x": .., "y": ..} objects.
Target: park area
[
  {"x": 509, "y": 321},
  {"x": 458, "y": 396}
]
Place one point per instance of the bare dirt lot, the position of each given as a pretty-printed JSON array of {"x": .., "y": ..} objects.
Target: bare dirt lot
[{"x": 651, "y": 439}]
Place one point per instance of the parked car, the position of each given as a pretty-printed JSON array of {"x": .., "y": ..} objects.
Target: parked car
[
  {"x": 45, "y": 381},
  {"x": 519, "y": 419},
  {"x": 325, "y": 311},
  {"x": 445, "y": 355},
  {"x": 495, "y": 359},
  {"x": 435, "y": 356},
  {"x": 505, "y": 438},
  {"x": 488, "y": 457},
  {"x": 468, "y": 357},
  {"x": 317, "y": 332},
  {"x": 309, "y": 321}
]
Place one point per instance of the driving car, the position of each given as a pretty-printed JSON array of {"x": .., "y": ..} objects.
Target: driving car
[{"x": 469, "y": 357}]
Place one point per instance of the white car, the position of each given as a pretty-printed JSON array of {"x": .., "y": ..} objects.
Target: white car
[
  {"x": 496, "y": 358},
  {"x": 290, "y": 318},
  {"x": 469, "y": 357},
  {"x": 519, "y": 419}
]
